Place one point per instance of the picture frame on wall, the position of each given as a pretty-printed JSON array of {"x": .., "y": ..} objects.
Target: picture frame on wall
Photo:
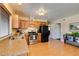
[{"x": 74, "y": 26}]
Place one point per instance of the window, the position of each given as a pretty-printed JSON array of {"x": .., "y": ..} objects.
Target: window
[{"x": 4, "y": 23}]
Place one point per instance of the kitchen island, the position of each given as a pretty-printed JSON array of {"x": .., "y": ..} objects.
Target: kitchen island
[{"x": 9, "y": 47}]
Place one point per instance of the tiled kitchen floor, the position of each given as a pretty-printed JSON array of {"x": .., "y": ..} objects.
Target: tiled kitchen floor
[{"x": 53, "y": 48}]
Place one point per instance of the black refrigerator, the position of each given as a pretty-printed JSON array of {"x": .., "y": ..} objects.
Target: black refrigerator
[{"x": 44, "y": 33}]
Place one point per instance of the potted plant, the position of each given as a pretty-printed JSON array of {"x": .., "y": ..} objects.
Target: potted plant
[{"x": 77, "y": 37}]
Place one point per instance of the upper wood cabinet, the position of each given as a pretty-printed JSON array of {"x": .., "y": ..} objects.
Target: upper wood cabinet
[
  {"x": 27, "y": 22},
  {"x": 21, "y": 23},
  {"x": 24, "y": 23},
  {"x": 15, "y": 21},
  {"x": 35, "y": 23}
]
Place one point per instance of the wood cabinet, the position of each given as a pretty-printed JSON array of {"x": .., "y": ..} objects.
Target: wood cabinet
[
  {"x": 42, "y": 23},
  {"x": 27, "y": 24},
  {"x": 37, "y": 23},
  {"x": 15, "y": 21},
  {"x": 24, "y": 23},
  {"x": 20, "y": 23},
  {"x": 34, "y": 23},
  {"x": 39, "y": 37}
]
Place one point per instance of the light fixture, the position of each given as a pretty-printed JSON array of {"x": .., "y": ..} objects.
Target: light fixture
[{"x": 41, "y": 11}]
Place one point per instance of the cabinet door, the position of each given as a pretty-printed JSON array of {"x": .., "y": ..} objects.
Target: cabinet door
[
  {"x": 20, "y": 23},
  {"x": 23, "y": 24},
  {"x": 27, "y": 24},
  {"x": 15, "y": 21},
  {"x": 36, "y": 23}
]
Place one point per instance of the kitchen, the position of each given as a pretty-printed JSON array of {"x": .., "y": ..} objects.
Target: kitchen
[{"x": 14, "y": 36}]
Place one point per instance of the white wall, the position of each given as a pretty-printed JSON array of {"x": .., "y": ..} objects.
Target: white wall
[{"x": 65, "y": 24}]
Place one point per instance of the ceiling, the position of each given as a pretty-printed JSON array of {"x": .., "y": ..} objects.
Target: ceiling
[{"x": 54, "y": 10}]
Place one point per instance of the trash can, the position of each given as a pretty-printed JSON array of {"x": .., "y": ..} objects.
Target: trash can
[{"x": 32, "y": 37}]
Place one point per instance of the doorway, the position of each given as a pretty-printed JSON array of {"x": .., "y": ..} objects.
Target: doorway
[{"x": 57, "y": 31}]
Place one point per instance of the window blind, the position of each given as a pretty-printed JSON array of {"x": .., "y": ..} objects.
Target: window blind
[{"x": 4, "y": 23}]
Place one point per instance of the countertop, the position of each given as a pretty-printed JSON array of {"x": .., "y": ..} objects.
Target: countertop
[{"x": 14, "y": 47}]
